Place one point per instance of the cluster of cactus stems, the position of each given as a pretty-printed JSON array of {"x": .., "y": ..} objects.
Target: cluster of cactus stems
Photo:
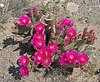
[{"x": 54, "y": 43}]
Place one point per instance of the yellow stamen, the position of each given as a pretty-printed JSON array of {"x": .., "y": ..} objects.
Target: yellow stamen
[
  {"x": 24, "y": 20},
  {"x": 40, "y": 28},
  {"x": 24, "y": 60},
  {"x": 71, "y": 33},
  {"x": 46, "y": 61},
  {"x": 46, "y": 53},
  {"x": 39, "y": 37},
  {"x": 71, "y": 56},
  {"x": 40, "y": 43},
  {"x": 51, "y": 47},
  {"x": 82, "y": 59},
  {"x": 39, "y": 57}
]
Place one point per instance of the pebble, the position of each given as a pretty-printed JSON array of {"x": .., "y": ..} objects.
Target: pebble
[
  {"x": 72, "y": 7},
  {"x": 1, "y": 5}
]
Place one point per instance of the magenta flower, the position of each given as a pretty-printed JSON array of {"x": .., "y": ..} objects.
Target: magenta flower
[
  {"x": 83, "y": 59},
  {"x": 52, "y": 47},
  {"x": 46, "y": 62},
  {"x": 38, "y": 58},
  {"x": 71, "y": 56},
  {"x": 85, "y": 33},
  {"x": 71, "y": 32},
  {"x": 30, "y": 12},
  {"x": 40, "y": 15},
  {"x": 41, "y": 51},
  {"x": 59, "y": 32},
  {"x": 65, "y": 22},
  {"x": 34, "y": 9},
  {"x": 40, "y": 43},
  {"x": 47, "y": 53},
  {"x": 24, "y": 71},
  {"x": 71, "y": 23},
  {"x": 24, "y": 20},
  {"x": 38, "y": 36},
  {"x": 61, "y": 26},
  {"x": 66, "y": 41},
  {"x": 23, "y": 60},
  {"x": 40, "y": 27},
  {"x": 63, "y": 59}
]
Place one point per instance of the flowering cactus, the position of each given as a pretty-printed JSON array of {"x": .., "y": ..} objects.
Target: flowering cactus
[{"x": 52, "y": 42}]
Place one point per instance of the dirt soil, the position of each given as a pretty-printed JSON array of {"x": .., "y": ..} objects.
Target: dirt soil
[{"x": 86, "y": 15}]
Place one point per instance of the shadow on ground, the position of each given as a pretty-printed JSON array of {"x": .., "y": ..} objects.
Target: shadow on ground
[{"x": 15, "y": 72}]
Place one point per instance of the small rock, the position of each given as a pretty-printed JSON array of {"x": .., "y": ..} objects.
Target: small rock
[
  {"x": 86, "y": 1},
  {"x": 1, "y": 5},
  {"x": 72, "y": 7}
]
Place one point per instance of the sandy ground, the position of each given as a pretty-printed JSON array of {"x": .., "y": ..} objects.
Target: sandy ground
[{"x": 87, "y": 15}]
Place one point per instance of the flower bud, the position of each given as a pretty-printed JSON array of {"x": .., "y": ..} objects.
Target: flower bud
[
  {"x": 17, "y": 28},
  {"x": 32, "y": 57},
  {"x": 88, "y": 66},
  {"x": 77, "y": 66},
  {"x": 72, "y": 39},
  {"x": 80, "y": 35},
  {"x": 85, "y": 33},
  {"x": 28, "y": 66},
  {"x": 34, "y": 9},
  {"x": 71, "y": 23},
  {"x": 82, "y": 67},
  {"x": 14, "y": 31},
  {"x": 66, "y": 41},
  {"x": 60, "y": 26},
  {"x": 56, "y": 37},
  {"x": 29, "y": 69},
  {"x": 52, "y": 21},
  {"x": 67, "y": 49},
  {"x": 30, "y": 12},
  {"x": 85, "y": 38},
  {"x": 85, "y": 70},
  {"x": 52, "y": 25},
  {"x": 35, "y": 66},
  {"x": 40, "y": 15},
  {"x": 12, "y": 27},
  {"x": 59, "y": 32},
  {"x": 25, "y": 13},
  {"x": 49, "y": 17},
  {"x": 32, "y": 62},
  {"x": 76, "y": 37},
  {"x": 92, "y": 31},
  {"x": 90, "y": 38},
  {"x": 52, "y": 34},
  {"x": 14, "y": 22},
  {"x": 53, "y": 41},
  {"x": 86, "y": 28},
  {"x": 59, "y": 51}
]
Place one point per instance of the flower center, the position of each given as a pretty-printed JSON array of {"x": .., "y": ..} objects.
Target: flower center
[
  {"x": 40, "y": 28},
  {"x": 46, "y": 53},
  {"x": 82, "y": 59},
  {"x": 24, "y": 20},
  {"x": 64, "y": 59},
  {"x": 24, "y": 71},
  {"x": 46, "y": 61},
  {"x": 40, "y": 43},
  {"x": 39, "y": 37},
  {"x": 41, "y": 52},
  {"x": 71, "y": 56},
  {"x": 39, "y": 57},
  {"x": 71, "y": 33},
  {"x": 51, "y": 47},
  {"x": 24, "y": 60}
]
